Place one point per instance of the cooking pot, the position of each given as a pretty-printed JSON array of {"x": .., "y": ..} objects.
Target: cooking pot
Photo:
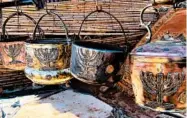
[
  {"x": 48, "y": 58},
  {"x": 12, "y": 48},
  {"x": 159, "y": 73},
  {"x": 95, "y": 63}
]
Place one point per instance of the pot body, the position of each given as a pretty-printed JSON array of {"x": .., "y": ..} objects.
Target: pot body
[
  {"x": 13, "y": 54},
  {"x": 46, "y": 63},
  {"x": 94, "y": 65},
  {"x": 159, "y": 82}
]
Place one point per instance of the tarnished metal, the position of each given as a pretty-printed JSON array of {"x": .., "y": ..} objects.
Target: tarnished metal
[
  {"x": 161, "y": 85},
  {"x": 95, "y": 63},
  {"x": 48, "y": 58},
  {"x": 158, "y": 71},
  {"x": 92, "y": 65},
  {"x": 147, "y": 25},
  {"x": 12, "y": 49}
]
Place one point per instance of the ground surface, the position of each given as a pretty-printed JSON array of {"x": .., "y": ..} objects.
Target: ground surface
[{"x": 122, "y": 100}]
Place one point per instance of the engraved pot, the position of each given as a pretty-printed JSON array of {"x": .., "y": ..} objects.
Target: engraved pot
[
  {"x": 48, "y": 58},
  {"x": 159, "y": 74},
  {"x": 96, "y": 63},
  {"x": 12, "y": 48}
]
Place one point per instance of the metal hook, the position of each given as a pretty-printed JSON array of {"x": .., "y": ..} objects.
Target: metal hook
[
  {"x": 147, "y": 26},
  {"x": 19, "y": 10},
  {"x": 46, "y": 8},
  {"x": 98, "y": 7}
]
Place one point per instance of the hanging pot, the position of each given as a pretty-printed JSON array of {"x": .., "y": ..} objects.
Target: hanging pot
[
  {"x": 12, "y": 48},
  {"x": 95, "y": 63},
  {"x": 159, "y": 73},
  {"x": 48, "y": 58}
]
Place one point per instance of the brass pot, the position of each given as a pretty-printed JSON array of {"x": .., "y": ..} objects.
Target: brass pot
[
  {"x": 12, "y": 49},
  {"x": 48, "y": 58},
  {"x": 159, "y": 74}
]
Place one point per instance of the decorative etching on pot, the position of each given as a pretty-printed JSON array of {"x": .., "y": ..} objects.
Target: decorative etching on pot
[
  {"x": 161, "y": 85},
  {"x": 182, "y": 97},
  {"x": 13, "y": 51},
  {"x": 47, "y": 57},
  {"x": 87, "y": 62},
  {"x": 29, "y": 60}
]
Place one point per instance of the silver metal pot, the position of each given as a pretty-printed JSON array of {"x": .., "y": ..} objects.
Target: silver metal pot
[{"x": 95, "y": 63}]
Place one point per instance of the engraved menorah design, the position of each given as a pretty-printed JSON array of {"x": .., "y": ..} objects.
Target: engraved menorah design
[
  {"x": 13, "y": 51},
  {"x": 88, "y": 61},
  {"x": 161, "y": 85},
  {"x": 47, "y": 57}
]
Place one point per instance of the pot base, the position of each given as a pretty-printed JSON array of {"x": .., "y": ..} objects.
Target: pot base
[
  {"x": 48, "y": 77},
  {"x": 84, "y": 80},
  {"x": 161, "y": 109}
]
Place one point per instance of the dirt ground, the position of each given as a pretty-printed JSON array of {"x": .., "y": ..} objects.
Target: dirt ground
[{"x": 122, "y": 101}]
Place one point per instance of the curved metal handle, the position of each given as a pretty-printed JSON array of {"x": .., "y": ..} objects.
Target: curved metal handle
[
  {"x": 50, "y": 13},
  {"x": 11, "y": 16},
  {"x": 147, "y": 26},
  {"x": 100, "y": 10}
]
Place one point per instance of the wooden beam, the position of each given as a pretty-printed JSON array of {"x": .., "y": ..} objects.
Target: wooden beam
[{"x": 12, "y": 3}]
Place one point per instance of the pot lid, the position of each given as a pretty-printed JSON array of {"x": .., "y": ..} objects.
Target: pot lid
[{"x": 166, "y": 47}]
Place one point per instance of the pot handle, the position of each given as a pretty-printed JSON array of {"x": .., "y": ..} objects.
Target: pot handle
[
  {"x": 99, "y": 9},
  {"x": 51, "y": 13},
  {"x": 19, "y": 13},
  {"x": 147, "y": 26}
]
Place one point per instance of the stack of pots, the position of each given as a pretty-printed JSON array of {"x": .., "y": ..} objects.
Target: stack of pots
[
  {"x": 48, "y": 58},
  {"x": 12, "y": 48},
  {"x": 159, "y": 73},
  {"x": 95, "y": 63}
]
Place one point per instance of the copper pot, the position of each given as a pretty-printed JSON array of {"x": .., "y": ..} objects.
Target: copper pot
[
  {"x": 12, "y": 48},
  {"x": 159, "y": 73},
  {"x": 48, "y": 58}
]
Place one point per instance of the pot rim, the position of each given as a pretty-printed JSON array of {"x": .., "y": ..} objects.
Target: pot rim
[
  {"x": 49, "y": 41},
  {"x": 15, "y": 39},
  {"x": 98, "y": 47},
  {"x": 156, "y": 55}
]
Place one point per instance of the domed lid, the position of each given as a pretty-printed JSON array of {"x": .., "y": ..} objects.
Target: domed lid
[{"x": 166, "y": 47}]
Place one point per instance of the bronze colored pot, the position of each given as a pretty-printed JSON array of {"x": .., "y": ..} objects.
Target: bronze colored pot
[
  {"x": 159, "y": 72},
  {"x": 95, "y": 63},
  {"x": 48, "y": 58},
  {"x": 12, "y": 48}
]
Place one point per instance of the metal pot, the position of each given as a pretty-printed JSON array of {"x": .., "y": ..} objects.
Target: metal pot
[
  {"x": 95, "y": 63},
  {"x": 12, "y": 48},
  {"x": 159, "y": 73},
  {"x": 48, "y": 58}
]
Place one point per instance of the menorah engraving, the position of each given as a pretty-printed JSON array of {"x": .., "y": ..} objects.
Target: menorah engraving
[
  {"x": 47, "y": 57},
  {"x": 29, "y": 60},
  {"x": 88, "y": 62},
  {"x": 13, "y": 51},
  {"x": 161, "y": 85}
]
